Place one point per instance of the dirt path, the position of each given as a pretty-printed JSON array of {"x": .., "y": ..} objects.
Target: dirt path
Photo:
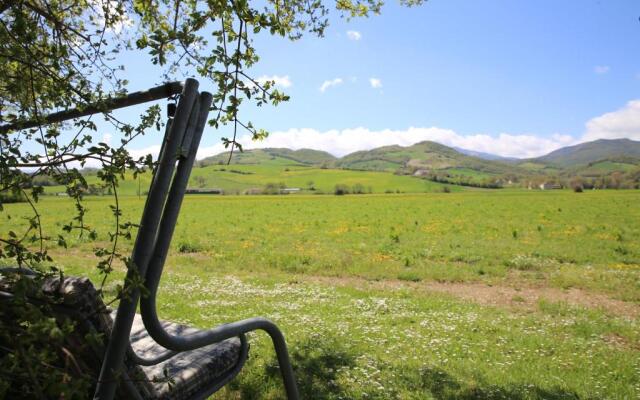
[{"x": 523, "y": 298}]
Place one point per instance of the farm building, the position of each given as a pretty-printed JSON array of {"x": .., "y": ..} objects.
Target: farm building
[
  {"x": 421, "y": 172},
  {"x": 549, "y": 186},
  {"x": 204, "y": 191}
]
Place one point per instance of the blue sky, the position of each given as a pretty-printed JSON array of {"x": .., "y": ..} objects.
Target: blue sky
[{"x": 512, "y": 77}]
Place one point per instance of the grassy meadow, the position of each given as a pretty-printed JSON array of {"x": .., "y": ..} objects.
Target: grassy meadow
[
  {"x": 238, "y": 178},
  {"x": 472, "y": 295}
]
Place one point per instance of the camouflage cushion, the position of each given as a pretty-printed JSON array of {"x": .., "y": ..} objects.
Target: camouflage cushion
[
  {"x": 180, "y": 377},
  {"x": 79, "y": 295},
  {"x": 185, "y": 374}
]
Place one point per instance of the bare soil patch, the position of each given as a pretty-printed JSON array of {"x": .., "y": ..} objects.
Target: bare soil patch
[
  {"x": 529, "y": 297},
  {"x": 524, "y": 298}
]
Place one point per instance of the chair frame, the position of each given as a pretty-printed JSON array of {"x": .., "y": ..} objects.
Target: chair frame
[{"x": 162, "y": 207}]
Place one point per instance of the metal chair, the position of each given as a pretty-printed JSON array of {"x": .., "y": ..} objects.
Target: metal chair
[{"x": 170, "y": 342}]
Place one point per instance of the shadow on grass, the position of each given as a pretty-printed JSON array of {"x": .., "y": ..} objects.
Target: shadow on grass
[
  {"x": 316, "y": 363},
  {"x": 443, "y": 386}
]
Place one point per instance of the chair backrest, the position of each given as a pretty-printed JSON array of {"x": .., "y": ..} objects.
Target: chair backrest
[{"x": 159, "y": 217}]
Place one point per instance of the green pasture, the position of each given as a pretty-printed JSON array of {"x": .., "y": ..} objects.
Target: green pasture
[
  {"x": 606, "y": 167},
  {"x": 351, "y": 281},
  {"x": 237, "y": 178},
  {"x": 468, "y": 173}
]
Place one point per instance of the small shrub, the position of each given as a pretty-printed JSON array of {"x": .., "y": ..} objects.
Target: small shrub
[
  {"x": 12, "y": 196},
  {"x": 189, "y": 247},
  {"x": 273, "y": 188},
  {"x": 409, "y": 276},
  {"x": 621, "y": 250},
  {"x": 357, "y": 189},
  {"x": 577, "y": 184},
  {"x": 341, "y": 190},
  {"x": 446, "y": 189}
]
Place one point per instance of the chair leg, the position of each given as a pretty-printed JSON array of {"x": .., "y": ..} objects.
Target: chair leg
[{"x": 284, "y": 362}]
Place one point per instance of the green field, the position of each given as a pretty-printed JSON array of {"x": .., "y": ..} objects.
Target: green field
[
  {"x": 323, "y": 180},
  {"x": 597, "y": 169},
  {"x": 473, "y": 295},
  {"x": 236, "y": 179}
]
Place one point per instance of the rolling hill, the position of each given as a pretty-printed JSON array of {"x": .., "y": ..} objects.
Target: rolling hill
[
  {"x": 425, "y": 155},
  {"x": 434, "y": 156},
  {"x": 424, "y": 159},
  {"x": 604, "y": 167},
  {"x": 484, "y": 156},
  {"x": 590, "y": 152},
  {"x": 423, "y": 167},
  {"x": 271, "y": 156},
  {"x": 435, "y": 161},
  {"x": 280, "y": 173},
  {"x": 421, "y": 159}
]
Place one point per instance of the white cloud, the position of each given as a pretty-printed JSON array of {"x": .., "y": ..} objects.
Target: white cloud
[
  {"x": 375, "y": 83},
  {"x": 154, "y": 150},
  {"x": 601, "y": 69},
  {"x": 354, "y": 35},
  {"x": 622, "y": 123},
  {"x": 106, "y": 138},
  {"x": 345, "y": 141},
  {"x": 282, "y": 81},
  {"x": 327, "y": 84}
]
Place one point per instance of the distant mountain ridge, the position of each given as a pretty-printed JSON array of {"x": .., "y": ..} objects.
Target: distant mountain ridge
[
  {"x": 589, "y": 152},
  {"x": 447, "y": 164},
  {"x": 257, "y": 156},
  {"x": 483, "y": 155},
  {"x": 426, "y": 155}
]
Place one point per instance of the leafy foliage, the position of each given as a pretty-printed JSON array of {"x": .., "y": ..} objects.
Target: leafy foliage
[{"x": 35, "y": 361}]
